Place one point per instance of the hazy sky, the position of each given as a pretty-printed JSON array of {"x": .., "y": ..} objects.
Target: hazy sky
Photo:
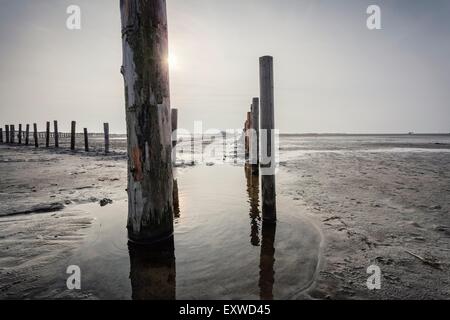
[{"x": 332, "y": 74}]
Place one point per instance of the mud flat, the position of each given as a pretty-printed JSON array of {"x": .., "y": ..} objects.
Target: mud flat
[
  {"x": 342, "y": 207},
  {"x": 387, "y": 207}
]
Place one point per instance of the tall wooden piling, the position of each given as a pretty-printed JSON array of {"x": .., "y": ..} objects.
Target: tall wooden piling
[
  {"x": 20, "y": 134},
  {"x": 1, "y": 135},
  {"x": 146, "y": 75},
  {"x": 56, "y": 134},
  {"x": 12, "y": 133},
  {"x": 106, "y": 131},
  {"x": 268, "y": 126},
  {"x": 36, "y": 139},
  {"x": 86, "y": 140},
  {"x": 27, "y": 135},
  {"x": 72, "y": 135},
  {"x": 47, "y": 135}
]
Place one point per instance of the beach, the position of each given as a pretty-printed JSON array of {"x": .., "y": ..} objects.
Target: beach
[{"x": 344, "y": 203}]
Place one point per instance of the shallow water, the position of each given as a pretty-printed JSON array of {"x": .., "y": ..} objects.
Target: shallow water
[{"x": 220, "y": 250}]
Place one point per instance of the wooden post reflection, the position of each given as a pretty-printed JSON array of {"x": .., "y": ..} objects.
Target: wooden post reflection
[
  {"x": 253, "y": 196},
  {"x": 152, "y": 272},
  {"x": 267, "y": 260}
]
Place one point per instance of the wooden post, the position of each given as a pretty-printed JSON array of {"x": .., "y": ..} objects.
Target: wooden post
[
  {"x": 268, "y": 126},
  {"x": 20, "y": 134},
  {"x": 174, "y": 121},
  {"x": 36, "y": 139},
  {"x": 146, "y": 74},
  {"x": 72, "y": 135},
  {"x": 56, "y": 134},
  {"x": 106, "y": 130},
  {"x": 254, "y": 145},
  {"x": 13, "y": 133},
  {"x": 47, "y": 135},
  {"x": 27, "y": 135},
  {"x": 1, "y": 135},
  {"x": 7, "y": 135},
  {"x": 174, "y": 117},
  {"x": 86, "y": 140}
]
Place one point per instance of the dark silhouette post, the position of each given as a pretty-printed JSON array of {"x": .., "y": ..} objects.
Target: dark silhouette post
[
  {"x": 27, "y": 135},
  {"x": 86, "y": 140},
  {"x": 12, "y": 133},
  {"x": 106, "y": 131},
  {"x": 72, "y": 135},
  {"x": 20, "y": 134},
  {"x": 47, "y": 135},
  {"x": 36, "y": 139},
  {"x": 56, "y": 134},
  {"x": 7, "y": 134}
]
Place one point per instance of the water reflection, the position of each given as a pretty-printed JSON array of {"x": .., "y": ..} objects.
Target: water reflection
[
  {"x": 253, "y": 196},
  {"x": 153, "y": 272},
  {"x": 267, "y": 255},
  {"x": 267, "y": 260}
]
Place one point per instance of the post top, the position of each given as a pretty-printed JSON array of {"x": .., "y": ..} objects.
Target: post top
[{"x": 266, "y": 58}]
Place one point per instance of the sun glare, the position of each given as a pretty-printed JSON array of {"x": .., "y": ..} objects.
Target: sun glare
[{"x": 173, "y": 63}]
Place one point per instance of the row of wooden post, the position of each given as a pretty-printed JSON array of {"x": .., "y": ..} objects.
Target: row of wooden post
[
  {"x": 261, "y": 117},
  {"x": 10, "y": 135}
]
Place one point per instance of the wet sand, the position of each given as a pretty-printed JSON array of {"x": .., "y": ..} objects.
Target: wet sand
[{"x": 339, "y": 212}]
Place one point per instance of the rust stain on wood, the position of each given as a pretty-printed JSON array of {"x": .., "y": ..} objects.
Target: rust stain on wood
[{"x": 137, "y": 164}]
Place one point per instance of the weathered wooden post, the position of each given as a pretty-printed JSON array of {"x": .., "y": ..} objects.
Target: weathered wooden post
[
  {"x": 72, "y": 135},
  {"x": 146, "y": 74},
  {"x": 13, "y": 133},
  {"x": 47, "y": 135},
  {"x": 7, "y": 136},
  {"x": 254, "y": 136},
  {"x": 106, "y": 130},
  {"x": 56, "y": 134},
  {"x": 27, "y": 135},
  {"x": 86, "y": 140},
  {"x": 20, "y": 134},
  {"x": 267, "y": 125},
  {"x": 1, "y": 135},
  {"x": 36, "y": 139}
]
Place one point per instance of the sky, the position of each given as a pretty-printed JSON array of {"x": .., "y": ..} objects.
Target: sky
[{"x": 332, "y": 74}]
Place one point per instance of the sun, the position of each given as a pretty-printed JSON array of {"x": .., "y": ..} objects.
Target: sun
[{"x": 172, "y": 61}]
